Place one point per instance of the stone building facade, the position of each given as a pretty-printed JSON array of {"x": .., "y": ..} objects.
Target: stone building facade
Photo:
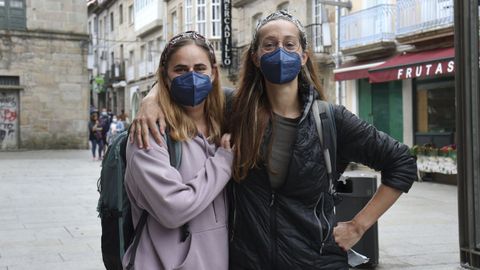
[
  {"x": 44, "y": 95},
  {"x": 127, "y": 38}
]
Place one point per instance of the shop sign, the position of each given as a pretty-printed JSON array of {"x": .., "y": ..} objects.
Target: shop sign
[
  {"x": 227, "y": 33},
  {"x": 426, "y": 70}
]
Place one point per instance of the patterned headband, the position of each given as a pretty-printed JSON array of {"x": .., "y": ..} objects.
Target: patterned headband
[
  {"x": 284, "y": 15},
  {"x": 192, "y": 35}
]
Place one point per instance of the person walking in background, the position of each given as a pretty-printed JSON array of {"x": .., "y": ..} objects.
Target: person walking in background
[
  {"x": 190, "y": 93},
  {"x": 115, "y": 128},
  {"x": 104, "y": 121},
  {"x": 95, "y": 130},
  {"x": 124, "y": 118}
]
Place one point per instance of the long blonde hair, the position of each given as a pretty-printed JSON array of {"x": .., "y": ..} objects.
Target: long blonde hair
[
  {"x": 251, "y": 108},
  {"x": 181, "y": 126}
]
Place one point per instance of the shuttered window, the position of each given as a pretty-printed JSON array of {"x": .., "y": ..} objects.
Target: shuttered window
[{"x": 12, "y": 14}]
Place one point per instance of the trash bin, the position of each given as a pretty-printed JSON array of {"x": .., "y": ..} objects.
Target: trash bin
[{"x": 358, "y": 189}]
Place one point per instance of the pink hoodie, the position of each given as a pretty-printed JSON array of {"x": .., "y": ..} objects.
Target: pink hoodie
[{"x": 193, "y": 194}]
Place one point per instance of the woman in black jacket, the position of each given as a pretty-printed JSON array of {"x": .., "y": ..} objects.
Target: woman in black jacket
[
  {"x": 282, "y": 215},
  {"x": 283, "y": 205}
]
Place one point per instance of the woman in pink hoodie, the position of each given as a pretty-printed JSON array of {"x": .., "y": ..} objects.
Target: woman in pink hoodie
[{"x": 193, "y": 103}]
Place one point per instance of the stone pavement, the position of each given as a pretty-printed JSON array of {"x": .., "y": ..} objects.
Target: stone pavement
[{"x": 48, "y": 217}]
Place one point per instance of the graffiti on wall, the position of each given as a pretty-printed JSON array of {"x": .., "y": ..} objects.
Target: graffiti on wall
[{"x": 8, "y": 120}]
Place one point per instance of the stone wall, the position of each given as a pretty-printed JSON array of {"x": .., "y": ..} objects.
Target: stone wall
[
  {"x": 53, "y": 111},
  {"x": 66, "y": 16}
]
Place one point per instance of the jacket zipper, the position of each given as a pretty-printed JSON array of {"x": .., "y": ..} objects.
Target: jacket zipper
[
  {"x": 234, "y": 209},
  {"x": 273, "y": 232},
  {"x": 329, "y": 227},
  {"x": 319, "y": 222}
]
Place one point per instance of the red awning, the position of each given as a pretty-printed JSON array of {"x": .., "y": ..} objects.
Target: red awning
[
  {"x": 355, "y": 70},
  {"x": 415, "y": 65}
]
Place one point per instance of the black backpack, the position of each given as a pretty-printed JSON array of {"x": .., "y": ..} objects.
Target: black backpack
[{"x": 114, "y": 210}]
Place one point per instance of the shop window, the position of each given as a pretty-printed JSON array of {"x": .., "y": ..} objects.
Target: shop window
[{"x": 435, "y": 112}]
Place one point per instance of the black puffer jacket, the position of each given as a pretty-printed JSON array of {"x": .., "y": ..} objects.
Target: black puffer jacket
[{"x": 291, "y": 227}]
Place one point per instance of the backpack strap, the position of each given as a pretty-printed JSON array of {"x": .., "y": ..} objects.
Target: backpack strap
[
  {"x": 325, "y": 123},
  {"x": 138, "y": 232},
  {"x": 174, "y": 150}
]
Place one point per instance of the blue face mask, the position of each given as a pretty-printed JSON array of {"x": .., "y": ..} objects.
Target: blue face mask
[
  {"x": 191, "y": 88},
  {"x": 280, "y": 66}
]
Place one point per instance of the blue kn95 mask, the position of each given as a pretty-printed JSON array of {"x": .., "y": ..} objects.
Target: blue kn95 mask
[
  {"x": 191, "y": 88},
  {"x": 280, "y": 66}
]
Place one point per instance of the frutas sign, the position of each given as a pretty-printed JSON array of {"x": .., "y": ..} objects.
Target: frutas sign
[{"x": 426, "y": 70}]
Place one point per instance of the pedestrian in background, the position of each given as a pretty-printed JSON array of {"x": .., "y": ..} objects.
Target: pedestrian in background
[
  {"x": 124, "y": 118},
  {"x": 95, "y": 136},
  {"x": 115, "y": 128},
  {"x": 104, "y": 121}
]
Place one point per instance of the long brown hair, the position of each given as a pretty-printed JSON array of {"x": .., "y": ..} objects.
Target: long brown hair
[
  {"x": 181, "y": 126},
  {"x": 251, "y": 108}
]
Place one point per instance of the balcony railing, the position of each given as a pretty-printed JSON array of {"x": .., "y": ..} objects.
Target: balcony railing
[
  {"x": 423, "y": 15},
  {"x": 320, "y": 42},
  {"x": 130, "y": 73},
  {"x": 368, "y": 26}
]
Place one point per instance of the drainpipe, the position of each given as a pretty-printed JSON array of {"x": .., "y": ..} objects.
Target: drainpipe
[{"x": 338, "y": 85}]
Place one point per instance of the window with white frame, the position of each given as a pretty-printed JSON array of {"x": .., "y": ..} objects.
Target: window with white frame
[
  {"x": 188, "y": 15},
  {"x": 112, "y": 23},
  {"x": 105, "y": 24},
  {"x": 216, "y": 19},
  {"x": 150, "y": 51},
  {"x": 100, "y": 32},
  {"x": 142, "y": 53},
  {"x": 174, "y": 23},
  {"x": 130, "y": 14},
  {"x": 201, "y": 16},
  {"x": 120, "y": 14},
  {"x": 95, "y": 26},
  {"x": 316, "y": 32},
  {"x": 131, "y": 58},
  {"x": 283, "y": 6}
]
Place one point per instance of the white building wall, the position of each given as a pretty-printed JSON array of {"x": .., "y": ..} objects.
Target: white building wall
[
  {"x": 147, "y": 12},
  {"x": 407, "y": 109},
  {"x": 350, "y": 90}
]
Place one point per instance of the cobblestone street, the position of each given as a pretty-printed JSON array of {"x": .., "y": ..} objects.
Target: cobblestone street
[{"x": 48, "y": 217}]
